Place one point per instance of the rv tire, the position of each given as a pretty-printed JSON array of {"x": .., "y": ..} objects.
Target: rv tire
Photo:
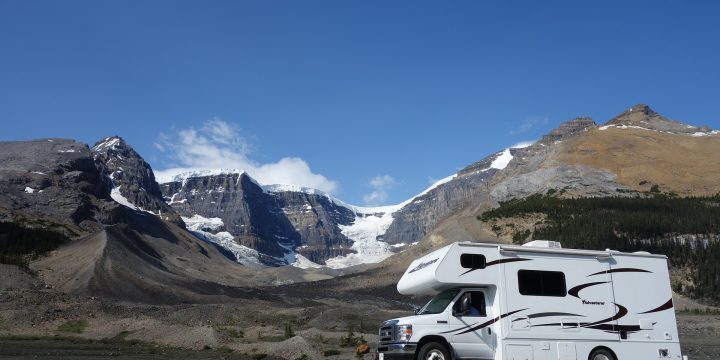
[
  {"x": 602, "y": 354},
  {"x": 433, "y": 351}
]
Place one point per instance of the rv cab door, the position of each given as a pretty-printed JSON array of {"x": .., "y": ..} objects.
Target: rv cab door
[{"x": 471, "y": 337}]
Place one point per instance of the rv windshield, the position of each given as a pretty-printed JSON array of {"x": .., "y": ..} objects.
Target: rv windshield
[{"x": 439, "y": 302}]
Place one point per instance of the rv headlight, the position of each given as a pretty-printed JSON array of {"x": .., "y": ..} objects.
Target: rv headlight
[{"x": 403, "y": 332}]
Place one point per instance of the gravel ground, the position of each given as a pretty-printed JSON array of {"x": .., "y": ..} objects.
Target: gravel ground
[
  {"x": 700, "y": 336},
  {"x": 68, "y": 348}
]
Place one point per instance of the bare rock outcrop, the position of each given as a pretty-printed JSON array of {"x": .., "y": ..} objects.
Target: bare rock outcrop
[
  {"x": 54, "y": 181},
  {"x": 132, "y": 177}
]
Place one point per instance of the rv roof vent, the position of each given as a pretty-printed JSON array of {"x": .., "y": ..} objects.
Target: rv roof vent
[{"x": 544, "y": 244}]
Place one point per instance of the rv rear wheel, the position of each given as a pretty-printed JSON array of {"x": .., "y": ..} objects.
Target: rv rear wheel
[
  {"x": 601, "y": 354},
  {"x": 433, "y": 351}
]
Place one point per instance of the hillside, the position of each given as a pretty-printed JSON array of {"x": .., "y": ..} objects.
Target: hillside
[
  {"x": 686, "y": 229},
  {"x": 643, "y": 149}
]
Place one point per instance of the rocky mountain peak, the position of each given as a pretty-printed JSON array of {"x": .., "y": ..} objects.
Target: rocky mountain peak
[
  {"x": 133, "y": 180},
  {"x": 637, "y": 115},
  {"x": 642, "y": 109},
  {"x": 568, "y": 129},
  {"x": 641, "y": 116},
  {"x": 112, "y": 143}
]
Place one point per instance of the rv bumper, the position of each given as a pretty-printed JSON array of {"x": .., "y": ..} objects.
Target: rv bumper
[{"x": 396, "y": 351}]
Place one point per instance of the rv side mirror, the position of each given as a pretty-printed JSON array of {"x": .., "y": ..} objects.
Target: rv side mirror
[{"x": 416, "y": 309}]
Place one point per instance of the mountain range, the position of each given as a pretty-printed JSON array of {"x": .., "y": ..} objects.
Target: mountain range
[{"x": 220, "y": 230}]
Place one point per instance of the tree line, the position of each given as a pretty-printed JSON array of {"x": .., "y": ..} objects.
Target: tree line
[
  {"x": 19, "y": 244},
  {"x": 685, "y": 229}
]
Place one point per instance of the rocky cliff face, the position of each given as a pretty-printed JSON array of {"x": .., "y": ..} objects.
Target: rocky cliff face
[
  {"x": 131, "y": 177},
  {"x": 413, "y": 221},
  {"x": 515, "y": 172},
  {"x": 316, "y": 219},
  {"x": 246, "y": 211},
  {"x": 53, "y": 181},
  {"x": 272, "y": 222}
]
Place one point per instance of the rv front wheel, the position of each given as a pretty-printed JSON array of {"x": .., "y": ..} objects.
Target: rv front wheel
[
  {"x": 601, "y": 354},
  {"x": 433, "y": 351}
]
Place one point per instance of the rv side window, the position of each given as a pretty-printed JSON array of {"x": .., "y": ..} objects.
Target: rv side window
[
  {"x": 477, "y": 304},
  {"x": 472, "y": 261},
  {"x": 541, "y": 283}
]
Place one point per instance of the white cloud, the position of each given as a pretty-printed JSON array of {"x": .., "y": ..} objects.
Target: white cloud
[
  {"x": 529, "y": 123},
  {"x": 381, "y": 184},
  {"x": 218, "y": 144},
  {"x": 383, "y": 181},
  {"x": 522, "y": 144}
]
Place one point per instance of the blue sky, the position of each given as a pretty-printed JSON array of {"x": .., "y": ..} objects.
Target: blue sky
[{"x": 371, "y": 100}]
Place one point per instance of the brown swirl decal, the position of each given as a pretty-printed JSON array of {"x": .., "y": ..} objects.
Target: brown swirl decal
[
  {"x": 478, "y": 327},
  {"x": 620, "y": 270},
  {"x": 546, "y": 314},
  {"x": 576, "y": 290},
  {"x": 622, "y": 311},
  {"x": 601, "y": 325},
  {"x": 665, "y": 306},
  {"x": 615, "y": 328},
  {"x": 489, "y": 322}
]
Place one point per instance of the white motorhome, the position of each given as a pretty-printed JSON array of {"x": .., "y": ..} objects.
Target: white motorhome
[{"x": 535, "y": 302}]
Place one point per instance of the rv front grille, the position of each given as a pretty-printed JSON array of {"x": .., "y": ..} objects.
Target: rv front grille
[{"x": 386, "y": 334}]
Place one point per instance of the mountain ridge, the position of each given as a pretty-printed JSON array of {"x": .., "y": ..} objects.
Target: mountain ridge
[
  {"x": 281, "y": 224},
  {"x": 480, "y": 184}
]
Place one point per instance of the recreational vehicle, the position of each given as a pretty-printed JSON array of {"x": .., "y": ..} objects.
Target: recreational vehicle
[{"x": 537, "y": 301}]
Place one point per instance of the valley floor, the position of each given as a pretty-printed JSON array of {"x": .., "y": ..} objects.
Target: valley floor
[
  {"x": 52, "y": 348},
  {"x": 699, "y": 337},
  {"x": 225, "y": 331},
  {"x": 301, "y": 321},
  {"x": 50, "y": 325}
]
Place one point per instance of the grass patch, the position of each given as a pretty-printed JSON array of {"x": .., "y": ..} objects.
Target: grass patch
[
  {"x": 273, "y": 338},
  {"x": 230, "y": 332},
  {"x": 700, "y": 311},
  {"x": 331, "y": 352},
  {"x": 73, "y": 326}
]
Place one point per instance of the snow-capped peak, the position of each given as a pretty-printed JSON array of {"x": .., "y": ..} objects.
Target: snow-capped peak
[
  {"x": 274, "y": 188},
  {"x": 182, "y": 177},
  {"x": 109, "y": 142}
]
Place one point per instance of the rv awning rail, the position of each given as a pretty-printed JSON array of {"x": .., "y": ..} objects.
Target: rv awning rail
[
  {"x": 578, "y": 252},
  {"x": 593, "y": 253}
]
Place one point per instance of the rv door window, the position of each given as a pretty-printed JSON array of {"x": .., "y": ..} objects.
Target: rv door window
[
  {"x": 472, "y": 261},
  {"x": 542, "y": 283},
  {"x": 476, "y": 301},
  {"x": 439, "y": 302}
]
